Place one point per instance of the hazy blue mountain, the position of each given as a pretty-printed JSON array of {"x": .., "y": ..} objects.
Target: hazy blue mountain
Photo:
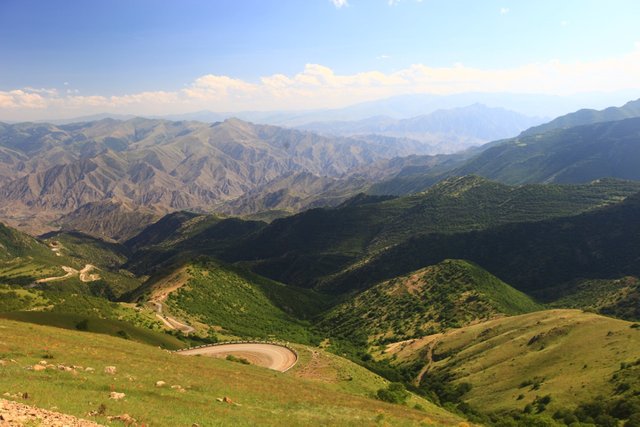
[
  {"x": 588, "y": 116},
  {"x": 574, "y": 155}
]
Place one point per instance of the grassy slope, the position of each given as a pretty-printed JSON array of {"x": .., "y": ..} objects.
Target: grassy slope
[
  {"x": 576, "y": 354},
  {"x": 265, "y": 397},
  {"x": 79, "y": 249},
  {"x": 67, "y": 309},
  {"x": 473, "y": 203},
  {"x": 111, "y": 327},
  {"x": 24, "y": 259},
  {"x": 450, "y": 294},
  {"x": 238, "y": 303}
]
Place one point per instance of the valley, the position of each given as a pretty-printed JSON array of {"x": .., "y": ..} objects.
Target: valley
[
  {"x": 499, "y": 286},
  {"x": 367, "y": 213}
]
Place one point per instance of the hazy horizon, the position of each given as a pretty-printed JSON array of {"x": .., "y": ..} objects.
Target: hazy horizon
[{"x": 71, "y": 59}]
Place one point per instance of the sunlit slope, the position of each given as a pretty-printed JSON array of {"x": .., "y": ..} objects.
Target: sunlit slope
[
  {"x": 450, "y": 294},
  {"x": 257, "y": 396},
  {"x": 570, "y": 355}
]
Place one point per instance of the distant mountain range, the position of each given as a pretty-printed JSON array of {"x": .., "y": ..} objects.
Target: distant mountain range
[
  {"x": 576, "y": 148},
  {"x": 446, "y": 131},
  {"x": 48, "y": 171},
  {"x": 129, "y": 173},
  {"x": 401, "y": 107}
]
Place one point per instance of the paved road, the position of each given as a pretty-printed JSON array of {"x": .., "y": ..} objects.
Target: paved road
[{"x": 269, "y": 356}]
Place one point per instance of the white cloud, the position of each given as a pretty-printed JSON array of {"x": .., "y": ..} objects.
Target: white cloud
[
  {"x": 318, "y": 86},
  {"x": 393, "y": 2},
  {"x": 504, "y": 10},
  {"x": 383, "y": 56},
  {"x": 339, "y": 3}
]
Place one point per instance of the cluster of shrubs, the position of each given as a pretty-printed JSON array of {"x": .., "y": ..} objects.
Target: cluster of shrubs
[
  {"x": 622, "y": 412},
  {"x": 393, "y": 393},
  {"x": 237, "y": 359},
  {"x": 603, "y": 413}
]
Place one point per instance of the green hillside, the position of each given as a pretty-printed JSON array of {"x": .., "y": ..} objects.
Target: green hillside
[
  {"x": 548, "y": 363},
  {"x": 448, "y": 295},
  {"x": 73, "y": 306},
  {"x": 183, "y": 235},
  {"x": 532, "y": 257},
  {"x": 309, "y": 248},
  {"x": 309, "y": 394},
  {"x": 23, "y": 259},
  {"x": 587, "y": 116},
  {"x": 574, "y": 155},
  {"x": 227, "y": 300},
  {"x": 80, "y": 322},
  {"x": 78, "y": 249}
]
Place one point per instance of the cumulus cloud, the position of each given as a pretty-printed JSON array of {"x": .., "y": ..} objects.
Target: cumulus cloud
[
  {"x": 318, "y": 86},
  {"x": 339, "y": 3},
  {"x": 504, "y": 10}
]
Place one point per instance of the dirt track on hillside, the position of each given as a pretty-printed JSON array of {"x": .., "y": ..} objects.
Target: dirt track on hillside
[
  {"x": 169, "y": 321},
  {"x": 83, "y": 274},
  {"x": 270, "y": 356}
]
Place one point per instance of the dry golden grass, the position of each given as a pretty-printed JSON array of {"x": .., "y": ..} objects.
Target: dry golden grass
[{"x": 264, "y": 397}]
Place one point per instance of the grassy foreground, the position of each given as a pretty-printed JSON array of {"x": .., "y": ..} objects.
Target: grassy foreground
[{"x": 322, "y": 390}]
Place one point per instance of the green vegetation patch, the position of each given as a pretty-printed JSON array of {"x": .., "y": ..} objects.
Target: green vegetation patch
[
  {"x": 448, "y": 295},
  {"x": 97, "y": 325},
  {"x": 243, "y": 304}
]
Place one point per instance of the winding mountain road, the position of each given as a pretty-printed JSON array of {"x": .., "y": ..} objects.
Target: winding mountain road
[
  {"x": 272, "y": 356},
  {"x": 171, "y": 322},
  {"x": 83, "y": 274}
]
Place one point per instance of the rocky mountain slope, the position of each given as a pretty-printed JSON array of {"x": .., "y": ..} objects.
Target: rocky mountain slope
[{"x": 49, "y": 171}]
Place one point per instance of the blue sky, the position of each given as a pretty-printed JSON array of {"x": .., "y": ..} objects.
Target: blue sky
[{"x": 159, "y": 56}]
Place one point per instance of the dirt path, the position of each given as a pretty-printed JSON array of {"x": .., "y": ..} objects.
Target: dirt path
[
  {"x": 171, "y": 322},
  {"x": 14, "y": 414},
  {"x": 429, "y": 360},
  {"x": 270, "y": 356},
  {"x": 71, "y": 272},
  {"x": 86, "y": 277}
]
